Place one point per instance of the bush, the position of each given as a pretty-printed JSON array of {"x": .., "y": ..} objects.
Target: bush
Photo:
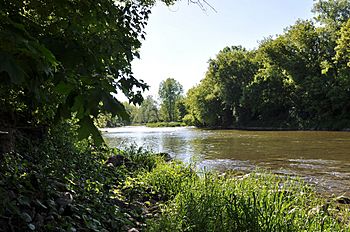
[
  {"x": 66, "y": 185},
  {"x": 165, "y": 124},
  {"x": 189, "y": 120}
]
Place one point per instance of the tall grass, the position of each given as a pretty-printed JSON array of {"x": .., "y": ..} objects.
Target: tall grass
[{"x": 257, "y": 202}]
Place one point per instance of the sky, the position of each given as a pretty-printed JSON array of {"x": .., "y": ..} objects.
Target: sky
[{"x": 182, "y": 38}]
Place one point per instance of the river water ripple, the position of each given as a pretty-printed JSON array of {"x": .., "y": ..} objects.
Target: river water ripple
[{"x": 321, "y": 158}]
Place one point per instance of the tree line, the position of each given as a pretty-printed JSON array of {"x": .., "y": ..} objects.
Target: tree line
[
  {"x": 59, "y": 63},
  {"x": 300, "y": 79},
  {"x": 170, "y": 109}
]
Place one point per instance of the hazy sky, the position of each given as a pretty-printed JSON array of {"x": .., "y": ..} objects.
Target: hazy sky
[{"x": 182, "y": 38}]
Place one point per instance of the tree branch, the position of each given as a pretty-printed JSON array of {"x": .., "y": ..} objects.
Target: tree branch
[{"x": 203, "y": 4}]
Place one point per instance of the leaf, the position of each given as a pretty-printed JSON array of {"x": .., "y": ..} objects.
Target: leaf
[
  {"x": 9, "y": 65},
  {"x": 23, "y": 200},
  {"x": 78, "y": 106},
  {"x": 87, "y": 128},
  {"x": 113, "y": 106},
  {"x": 64, "y": 88},
  {"x": 46, "y": 53}
]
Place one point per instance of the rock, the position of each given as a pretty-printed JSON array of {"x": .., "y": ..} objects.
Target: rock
[
  {"x": 166, "y": 156},
  {"x": 343, "y": 200},
  {"x": 60, "y": 186},
  {"x": 117, "y": 160},
  {"x": 65, "y": 199}
]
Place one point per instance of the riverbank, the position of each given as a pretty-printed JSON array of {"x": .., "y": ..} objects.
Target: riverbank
[
  {"x": 165, "y": 124},
  {"x": 258, "y": 128},
  {"x": 320, "y": 158},
  {"x": 65, "y": 185}
]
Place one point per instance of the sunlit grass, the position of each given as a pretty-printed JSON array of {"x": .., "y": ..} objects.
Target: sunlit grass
[{"x": 255, "y": 202}]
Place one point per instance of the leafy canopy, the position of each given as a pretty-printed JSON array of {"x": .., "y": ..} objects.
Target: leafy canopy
[
  {"x": 169, "y": 92},
  {"x": 67, "y": 58},
  {"x": 300, "y": 79}
]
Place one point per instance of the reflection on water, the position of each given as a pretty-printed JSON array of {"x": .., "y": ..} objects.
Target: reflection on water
[{"x": 319, "y": 157}]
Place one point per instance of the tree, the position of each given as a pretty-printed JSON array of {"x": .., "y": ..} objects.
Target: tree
[
  {"x": 180, "y": 108},
  {"x": 60, "y": 59},
  {"x": 169, "y": 92},
  {"x": 332, "y": 13},
  {"x": 232, "y": 70},
  {"x": 147, "y": 112},
  {"x": 204, "y": 105},
  {"x": 304, "y": 55},
  {"x": 299, "y": 79},
  {"x": 343, "y": 45},
  {"x": 341, "y": 95}
]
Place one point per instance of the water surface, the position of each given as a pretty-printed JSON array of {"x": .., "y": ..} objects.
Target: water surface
[{"x": 321, "y": 158}]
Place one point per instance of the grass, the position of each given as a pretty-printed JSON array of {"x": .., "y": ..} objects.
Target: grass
[
  {"x": 65, "y": 185},
  {"x": 258, "y": 202}
]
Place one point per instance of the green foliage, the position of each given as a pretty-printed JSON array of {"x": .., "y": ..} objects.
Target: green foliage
[
  {"x": 169, "y": 92},
  {"x": 342, "y": 49},
  {"x": 180, "y": 108},
  {"x": 258, "y": 202},
  {"x": 189, "y": 120},
  {"x": 169, "y": 179},
  {"x": 147, "y": 112},
  {"x": 267, "y": 100},
  {"x": 68, "y": 58},
  {"x": 107, "y": 120},
  {"x": 332, "y": 13},
  {"x": 217, "y": 99},
  {"x": 66, "y": 185},
  {"x": 204, "y": 104},
  {"x": 298, "y": 80},
  {"x": 165, "y": 124}
]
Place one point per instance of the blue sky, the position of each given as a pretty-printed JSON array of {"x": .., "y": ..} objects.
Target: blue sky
[{"x": 182, "y": 38}]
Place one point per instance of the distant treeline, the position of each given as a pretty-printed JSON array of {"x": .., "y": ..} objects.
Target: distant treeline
[
  {"x": 297, "y": 80},
  {"x": 300, "y": 79},
  {"x": 170, "y": 109}
]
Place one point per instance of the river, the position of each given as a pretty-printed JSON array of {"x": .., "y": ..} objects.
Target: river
[{"x": 321, "y": 158}]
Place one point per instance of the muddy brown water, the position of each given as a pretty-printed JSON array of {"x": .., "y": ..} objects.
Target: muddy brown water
[{"x": 322, "y": 158}]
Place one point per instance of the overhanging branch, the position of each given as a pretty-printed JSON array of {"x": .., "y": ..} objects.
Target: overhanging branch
[{"x": 203, "y": 4}]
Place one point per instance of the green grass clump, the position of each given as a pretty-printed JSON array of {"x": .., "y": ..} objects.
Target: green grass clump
[
  {"x": 169, "y": 179},
  {"x": 165, "y": 124},
  {"x": 258, "y": 202}
]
